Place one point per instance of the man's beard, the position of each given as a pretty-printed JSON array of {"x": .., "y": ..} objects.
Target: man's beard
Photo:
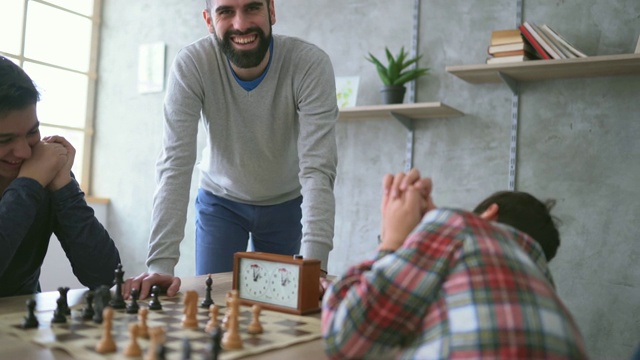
[{"x": 245, "y": 59}]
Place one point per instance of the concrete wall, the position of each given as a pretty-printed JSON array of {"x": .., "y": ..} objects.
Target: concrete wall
[{"x": 577, "y": 137}]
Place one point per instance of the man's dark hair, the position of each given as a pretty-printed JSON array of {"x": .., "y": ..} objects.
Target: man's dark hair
[
  {"x": 527, "y": 214},
  {"x": 17, "y": 90}
]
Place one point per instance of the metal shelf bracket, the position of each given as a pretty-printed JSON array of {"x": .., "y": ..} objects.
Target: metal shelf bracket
[
  {"x": 512, "y": 84},
  {"x": 407, "y": 122}
]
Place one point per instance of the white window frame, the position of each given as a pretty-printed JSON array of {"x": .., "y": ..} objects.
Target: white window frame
[{"x": 88, "y": 129}]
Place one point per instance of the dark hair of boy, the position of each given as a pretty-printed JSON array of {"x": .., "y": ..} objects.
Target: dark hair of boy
[
  {"x": 17, "y": 91},
  {"x": 527, "y": 214}
]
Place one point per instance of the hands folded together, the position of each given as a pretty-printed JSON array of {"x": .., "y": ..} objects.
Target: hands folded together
[
  {"x": 405, "y": 200},
  {"x": 50, "y": 162}
]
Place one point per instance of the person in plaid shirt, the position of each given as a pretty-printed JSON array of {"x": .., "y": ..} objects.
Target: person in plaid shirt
[{"x": 460, "y": 285}]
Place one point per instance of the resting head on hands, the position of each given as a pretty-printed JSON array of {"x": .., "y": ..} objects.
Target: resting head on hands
[{"x": 22, "y": 152}]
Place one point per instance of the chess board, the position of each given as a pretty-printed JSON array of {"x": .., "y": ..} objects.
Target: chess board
[{"x": 79, "y": 337}]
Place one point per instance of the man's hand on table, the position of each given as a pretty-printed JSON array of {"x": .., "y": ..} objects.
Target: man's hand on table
[
  {"x": 143, "y": 282},
  {"x": 324, "y": 283}
]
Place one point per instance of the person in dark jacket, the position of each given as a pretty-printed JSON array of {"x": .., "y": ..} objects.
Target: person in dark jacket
[{"x": 39, "y": 196}]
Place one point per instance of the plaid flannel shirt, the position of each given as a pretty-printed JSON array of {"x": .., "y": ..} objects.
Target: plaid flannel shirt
[{"x": 459, "y": 287}]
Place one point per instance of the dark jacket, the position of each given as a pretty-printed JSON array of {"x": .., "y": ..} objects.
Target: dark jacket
[{"x": 29, "y": 214}]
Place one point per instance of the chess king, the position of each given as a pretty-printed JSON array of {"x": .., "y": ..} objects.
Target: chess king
[{"x": 40, "y": 196}]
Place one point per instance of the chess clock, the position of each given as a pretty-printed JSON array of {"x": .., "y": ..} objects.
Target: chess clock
[{"x": 283, "y": 283}]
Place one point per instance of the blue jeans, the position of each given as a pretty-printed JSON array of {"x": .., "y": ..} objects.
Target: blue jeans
[{"x": 223, "y": 228}]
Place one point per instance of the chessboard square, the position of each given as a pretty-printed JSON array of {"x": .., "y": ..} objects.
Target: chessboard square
[
  {"x": 164, "y": 319},
  {"x": 179, "y": 339},
  {"x": 120, "y": 337},
  {"x": 294, "y": 332},
  {"x": 77, "y": 326},
  {"x": 69, "y": 337},
  {"x": 175, "y": 299},
  {"x": 257, "y": 341},
  {"x": 172, "y": 313}
]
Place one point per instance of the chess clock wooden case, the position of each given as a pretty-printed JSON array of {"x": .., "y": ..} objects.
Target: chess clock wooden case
[{"x": 283, "y": 283}]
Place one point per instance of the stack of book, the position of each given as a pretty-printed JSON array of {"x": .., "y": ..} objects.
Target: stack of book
[
  {"x": 548, "y": 43},
  {"x": 509, "y": 46},
  {"x": 529, "y": 42}
]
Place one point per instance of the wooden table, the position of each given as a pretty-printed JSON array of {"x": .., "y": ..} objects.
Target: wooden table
[{"x": 14, "y": 348}]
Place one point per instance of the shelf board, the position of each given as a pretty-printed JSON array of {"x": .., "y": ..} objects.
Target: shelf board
[
  {"x": 413, "y": 111},
  {"x": 535, "y": 70}
]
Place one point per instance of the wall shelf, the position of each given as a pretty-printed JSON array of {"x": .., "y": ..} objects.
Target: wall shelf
[
  {"x": 512, "y": 73},
  {"x": 593, "y": 66},
  {"x": 406, "y": 114},
  {"x": 413, "y": 111}
]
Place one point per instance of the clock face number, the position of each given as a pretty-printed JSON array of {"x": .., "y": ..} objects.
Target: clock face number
[{"x": 255, "y": 279}]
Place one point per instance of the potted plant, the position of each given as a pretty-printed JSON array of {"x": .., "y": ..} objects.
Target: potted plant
[{"x": 396, "y": 74}]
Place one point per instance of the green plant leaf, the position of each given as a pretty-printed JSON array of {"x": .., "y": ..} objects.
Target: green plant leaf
[{"x": 397, "y": 71}]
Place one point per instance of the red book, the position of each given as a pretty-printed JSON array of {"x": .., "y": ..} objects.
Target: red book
[{"x": 533, "y": 42}]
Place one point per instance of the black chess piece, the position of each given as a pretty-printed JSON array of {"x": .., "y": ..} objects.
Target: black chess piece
[
  {"x": 161, "y": 352},
  {"x": 30, "y": 321},
  {"x": 208, "y": 301},
  {"x": 118, "y": 300},
  {"x": 64, "y": 305},
  {"x": 59, "y": 314},
  {"x": 133, "y": 306},
  {"x": 102, "y": 298},
  {"x": 186, "y": 349},
  {"x": 155, "y": 304},
  {"x": 88, "y": 312},
  {"x": 215, "y": 346}
]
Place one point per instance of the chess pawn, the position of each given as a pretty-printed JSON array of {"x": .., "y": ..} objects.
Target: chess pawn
[
  {"x": 231, "y": 339},
  {"x": 213, "y": 318},
  {"x": 133, "y": 306},
  {"x": 227, "y": 311},
  {"x": 189, "y": 319},
  {"x": 254, "y": 326},
  {"x": 133, "y": 348},
  {"x": 106, "y": 343},
  {"x": 88, "y": 312},
  {"x": 143, "y": 330},
  {"x": 30, "y": 321},
  {"x": 155, "y": 304}
]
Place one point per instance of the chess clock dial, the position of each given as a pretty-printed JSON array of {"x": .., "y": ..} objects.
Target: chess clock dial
[
  {"x": 278, "y": 282},
  {"x": 255, "y": 278},
  {"x": 283, "y": 284}
]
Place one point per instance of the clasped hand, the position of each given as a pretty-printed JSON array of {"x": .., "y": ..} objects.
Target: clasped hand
[
  {"x": 50, "y": 162},
  {"x": 405, "y": 200}
]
